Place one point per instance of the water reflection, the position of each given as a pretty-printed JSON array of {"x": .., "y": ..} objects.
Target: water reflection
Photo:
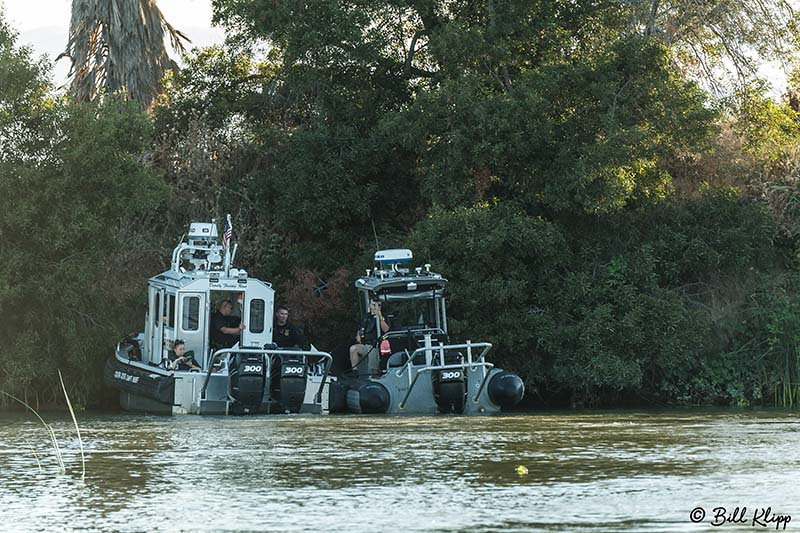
[{"x": 586, "y": 471}]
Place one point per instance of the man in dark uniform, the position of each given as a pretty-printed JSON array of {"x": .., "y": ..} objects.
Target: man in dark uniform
[
  {"x": 225, "y": 329},
  {"x": 286, "y": 334},
  {"x": 367, "y": 337}
]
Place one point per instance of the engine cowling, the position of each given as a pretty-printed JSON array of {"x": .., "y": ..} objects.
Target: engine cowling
[
  {"x": 294, "y": 372},
  {"x": 450, "y": 390},
  {"x": 247, "y": 379}
]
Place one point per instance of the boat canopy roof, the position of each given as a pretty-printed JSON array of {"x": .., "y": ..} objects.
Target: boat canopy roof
[
  {"x": 390, "y": 282},
  {"x": 203, "y": 257}
]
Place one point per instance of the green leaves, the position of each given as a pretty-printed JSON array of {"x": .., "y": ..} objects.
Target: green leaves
[
  {"x": 70, "y": 191},
  {"x": 528, "y": 149},
  {"x": 595, "y": 147}
]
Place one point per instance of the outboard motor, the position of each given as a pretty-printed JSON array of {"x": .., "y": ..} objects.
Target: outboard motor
[
  {"x": 293, "y": 383},
  {"x": 367, "y": 397},
  {"x": 506, "y": 389},
  {"x": 450, "y": 387},
  {"x": 246, "y": 371}
]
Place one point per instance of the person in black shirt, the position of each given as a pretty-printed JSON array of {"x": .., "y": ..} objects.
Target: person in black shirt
[
  {"x": 225, "y": 329},
  {"x": 180, "y": 359},
  {"x": 286, "y": 334},
  {"x": 367, "y": 335}
]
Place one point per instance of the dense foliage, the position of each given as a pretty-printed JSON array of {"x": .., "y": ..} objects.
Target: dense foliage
[
  {"x": 619, "y": 235},
  {"x": 72, "y": 183}
]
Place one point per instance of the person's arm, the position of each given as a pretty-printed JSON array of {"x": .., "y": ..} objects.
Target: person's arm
[
  {"x": 232, "y": 331},
  {"x": 384, "y": 324},
  {"x": 190, "y": 361},
  {"x": 177, "y": 361}
]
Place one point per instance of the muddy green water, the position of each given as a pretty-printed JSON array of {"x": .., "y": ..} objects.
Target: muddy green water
[{"x": 592, "y": 471}]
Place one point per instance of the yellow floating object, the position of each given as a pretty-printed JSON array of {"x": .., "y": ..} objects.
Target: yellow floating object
[{"x": 522, "y": 470}]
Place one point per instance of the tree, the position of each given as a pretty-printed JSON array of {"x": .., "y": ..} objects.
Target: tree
[
  {"x": 73, "y": 191},
  {"x": 23, "y": 95},
  {"x": 526, "y": 147},
  {"x": 118, "y": 45},
  {"x": 723, "y": 42}
]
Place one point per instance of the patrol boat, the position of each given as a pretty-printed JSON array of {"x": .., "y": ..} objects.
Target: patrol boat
[
  {"x": 414, "y": 367},
  {"x": 251, "y": 377}
]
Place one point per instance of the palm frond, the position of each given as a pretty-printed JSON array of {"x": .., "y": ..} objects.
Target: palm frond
[{"x": 119, "y": 45}]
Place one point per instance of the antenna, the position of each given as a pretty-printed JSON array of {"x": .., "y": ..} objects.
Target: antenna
[{"x": 375, "y": 233}]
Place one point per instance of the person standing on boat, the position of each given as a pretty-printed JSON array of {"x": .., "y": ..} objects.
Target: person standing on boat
[
  {"x": 367, "y": 337},
  {"x": 286, "y": 334},
  {"x": 224, "y": 334},
  {"x": 180, "y": 359}
]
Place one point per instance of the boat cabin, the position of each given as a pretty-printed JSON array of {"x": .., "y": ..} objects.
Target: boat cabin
[
  {"x": 414, "y": 301},
  {"x": 182, "y": 300}
]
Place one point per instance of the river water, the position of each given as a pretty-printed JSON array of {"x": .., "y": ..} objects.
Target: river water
[{"x": 587, "y": 471}]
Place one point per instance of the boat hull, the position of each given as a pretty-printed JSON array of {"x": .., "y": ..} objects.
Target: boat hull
[{"x": 129, "y": 379}]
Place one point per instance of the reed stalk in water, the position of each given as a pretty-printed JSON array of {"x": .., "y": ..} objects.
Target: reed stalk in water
[
  {"x": 47, "y": 427},
  {"x": 77, "y": 429},
  {"x": 37, "y": 459}
]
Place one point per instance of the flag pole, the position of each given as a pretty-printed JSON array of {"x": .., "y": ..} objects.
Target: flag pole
[{"x": 226, "y": 239}]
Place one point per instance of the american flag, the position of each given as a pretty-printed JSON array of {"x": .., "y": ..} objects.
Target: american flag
[{"x": 226, "y": 237}]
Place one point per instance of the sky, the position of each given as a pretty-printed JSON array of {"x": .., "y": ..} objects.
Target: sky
[{"x": 44, "y": 25}]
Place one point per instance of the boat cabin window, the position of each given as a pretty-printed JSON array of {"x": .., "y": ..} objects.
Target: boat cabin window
[
  {"x": 157, "y": 309},
  {"x": 171, "y": 311},
  {"x": 191, "y": 313},
  {"x": 257, "y": 315}
]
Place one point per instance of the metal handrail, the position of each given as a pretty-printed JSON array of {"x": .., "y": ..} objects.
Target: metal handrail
[
  {"x": 268, "y": 361},
  {"x": 444, "y": 347},
  {"x": 419, "y": 372},
  {"x": 404, "y": 331},
  {"x": 468, "y": 346},
  {"x": 141, "y": 365}
]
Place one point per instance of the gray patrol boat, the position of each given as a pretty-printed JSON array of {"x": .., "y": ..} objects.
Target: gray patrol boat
[
  {"x": 413, "y": 368},
  {"x": 252, "y": 376}
]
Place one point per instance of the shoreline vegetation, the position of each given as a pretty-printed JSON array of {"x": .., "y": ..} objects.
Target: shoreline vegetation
[{"x": 617, "y": 213}]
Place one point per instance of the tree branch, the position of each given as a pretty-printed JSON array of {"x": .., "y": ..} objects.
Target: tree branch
[
  {"x": 411, "y": 51},
  {"x": 651, "y": 20}
]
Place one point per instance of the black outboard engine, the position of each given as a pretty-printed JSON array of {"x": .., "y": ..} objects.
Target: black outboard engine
[
  {"x": 293, "y": 382},
  {"x": 247, "y": 376},
  {"x": 506, "y": 389},
  {"x": 450, "y": 387}
]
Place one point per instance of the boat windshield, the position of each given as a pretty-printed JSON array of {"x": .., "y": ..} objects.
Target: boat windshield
[{"x": 414, "y": 313}]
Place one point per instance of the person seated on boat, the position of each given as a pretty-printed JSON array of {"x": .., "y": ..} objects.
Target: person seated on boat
[
  {"x": 180, "y": 359},
  {"x": 226, "y": 330},
  {"x": 367, "y": 338},
  {"x": 285, "y": 334}
]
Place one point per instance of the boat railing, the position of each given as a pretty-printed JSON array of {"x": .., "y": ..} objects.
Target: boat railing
[
  {"x": 267, "y": 353},
  {"x": 438, "y": 352}
]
